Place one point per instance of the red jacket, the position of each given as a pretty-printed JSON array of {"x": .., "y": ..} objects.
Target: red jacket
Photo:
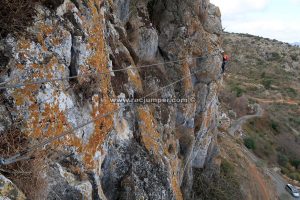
[{"x": 225, "y": 58}]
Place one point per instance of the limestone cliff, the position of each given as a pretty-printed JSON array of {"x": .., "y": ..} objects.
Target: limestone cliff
[{"x": 141, "y": 151}]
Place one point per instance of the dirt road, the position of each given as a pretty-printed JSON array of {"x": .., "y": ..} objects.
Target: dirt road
[
  {"x": 237, "y": 124},
  {"x": 270, "y": 101},
  {"x": 278, "y": 180}
]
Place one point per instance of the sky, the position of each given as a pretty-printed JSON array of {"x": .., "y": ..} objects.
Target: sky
[{"x": 274, "y": 19}]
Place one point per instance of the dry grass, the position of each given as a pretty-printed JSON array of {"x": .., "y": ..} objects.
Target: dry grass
[
  {"x": 86, "y": 87},
  {"x": 253, "y": 183},
  {"x": 26, "y": 174},
  {"x": 16, "y": 16},
  {"x": 224, "y": 185}
]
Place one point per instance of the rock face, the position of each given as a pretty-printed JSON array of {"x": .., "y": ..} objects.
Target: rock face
[
  {"x": 9, "y": 190},
  {"x": 140, "y": 151}
]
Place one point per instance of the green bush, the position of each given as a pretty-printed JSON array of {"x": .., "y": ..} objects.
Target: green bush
[
  {"x": 267, "y": 150},
  {"x": 282, "y": 159},
  {"x": 239, "y": 91},
  {"x": 294, "y": 57},
  {"x": 249, "y": 143},
  {"x": 294, "y": 176},
  {"x": 295, "y": 120},
  {"x": 275, "y": 126},
  {"x": 275, "y": 56},
  {"x": 290, "y": 171},
  {"x": 267, "y": 83},
  {"x": 295, "y": 163},
  {"x": 227, "y": 168},
  {"x": 291, "y": 92},
  {"x": 284, "y": 170}
]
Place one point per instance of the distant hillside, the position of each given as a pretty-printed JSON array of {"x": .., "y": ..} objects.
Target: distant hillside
[
  {"x": 296, "y": 44},
  {"x": 267, "y": 72}
]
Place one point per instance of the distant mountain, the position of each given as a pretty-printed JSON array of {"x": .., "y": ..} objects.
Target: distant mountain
[{"x": 296, "y": 44}]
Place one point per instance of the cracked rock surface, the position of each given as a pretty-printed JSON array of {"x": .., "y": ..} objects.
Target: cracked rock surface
[{"x": 142, "y": 151}]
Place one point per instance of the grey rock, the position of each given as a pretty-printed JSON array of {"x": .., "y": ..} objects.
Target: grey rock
[
  {"x": 141, "y": 151},
  {"x": 213, "y": 23}
]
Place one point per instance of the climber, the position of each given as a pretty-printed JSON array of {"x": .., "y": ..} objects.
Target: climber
[{"x": 225, "y": 61}]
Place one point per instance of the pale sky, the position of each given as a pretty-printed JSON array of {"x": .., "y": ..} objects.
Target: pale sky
[{"x": 275, "y": 19}]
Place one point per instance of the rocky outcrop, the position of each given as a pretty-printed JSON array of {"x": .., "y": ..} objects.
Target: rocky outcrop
[
  {"x": 139, "y": 151},
  {"x": 9, "y": 191}
]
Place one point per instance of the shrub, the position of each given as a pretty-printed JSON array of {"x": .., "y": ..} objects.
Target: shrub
[
  {"x": 275, "y": 126},
  {"x": 86, "y": 87},
  {"x": 294, "y": 57},
  {"x": 227, "y": 168},
  {"x": 265, "y": 150},
  {"x": 28, "y": 174},
  {"x": 291, "y": 92},
  {"x": 295, "y": 120},
  {"x": 275, "y": 56},
  {"x": 16, "y": 16},
  {"x": 284, "y": 170},
  {"x": 267, "y": 83},
  {"x": 249, "y": 143},
  {"x": 296, "y": 163},
  {"x": 238, "y": 90},
  {"x": 282, "y": 159},
  {"x": 294, "y": 176},
  {"x": 223, "y": 186}
]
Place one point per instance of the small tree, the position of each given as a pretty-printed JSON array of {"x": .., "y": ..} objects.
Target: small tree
[
  {"x": 249, "y": 143},
  {"x": 282, "y": 159},
  {"x": 275, "y": 126},
  {"x": 267, "y": 83}
]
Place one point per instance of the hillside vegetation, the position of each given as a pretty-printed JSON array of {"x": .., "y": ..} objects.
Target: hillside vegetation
[{"x": 267, "y": 72}]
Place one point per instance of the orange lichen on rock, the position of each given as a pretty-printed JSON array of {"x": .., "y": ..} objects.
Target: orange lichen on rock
[
  {"x": 56, "y": 41},
  {"x": 51, "y": 122},
  {"x": 25, "y": 94},
  {"x": 24, "y": 44},
  {"x": 208, "y": 117},
  {"x": 96, "y": 44},
  {"x": 40, "y": 39},
  {"x": 44, "y": 31},
  {"x": 174, "y": 167},
  {"x": 102, "y": 126},
  {"x": 150, "y": 136},
  {"x": 187, "y": 83},
  {"x": 97, "y": 62},
  {"x": 135, "y": 79},
  {"x": 19, "y": 66},
  {"x": 176, "y": 188}
]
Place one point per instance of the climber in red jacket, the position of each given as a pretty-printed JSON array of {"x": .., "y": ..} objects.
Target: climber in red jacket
[{"x": 225, "y": 61}]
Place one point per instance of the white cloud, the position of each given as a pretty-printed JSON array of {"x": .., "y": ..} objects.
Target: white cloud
[
  {"x": 241, "y": 6},
  {"x": 261, "y": 17},
  {"x": 270, "y": 28},
  {"x": 296, "y": 2}
]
